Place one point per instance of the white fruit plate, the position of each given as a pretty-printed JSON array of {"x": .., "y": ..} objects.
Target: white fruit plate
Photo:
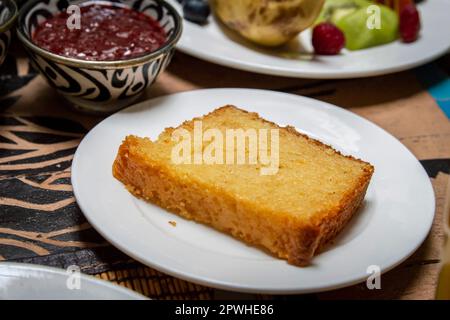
[{"x": 215, "y": 43}]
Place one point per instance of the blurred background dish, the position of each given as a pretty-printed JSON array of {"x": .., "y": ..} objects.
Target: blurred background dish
[
  {"x": 213, "y": 41},
  {"x": 32, "y": 282},
  {"x": 8, "y": 15},
  {"x": 99, "y": 86}
]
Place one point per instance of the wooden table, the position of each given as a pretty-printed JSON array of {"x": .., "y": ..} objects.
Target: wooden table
[{"x": 41, "y": 223}]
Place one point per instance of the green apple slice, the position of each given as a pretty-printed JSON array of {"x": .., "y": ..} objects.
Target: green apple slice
[{"x": 359, "y": 35}]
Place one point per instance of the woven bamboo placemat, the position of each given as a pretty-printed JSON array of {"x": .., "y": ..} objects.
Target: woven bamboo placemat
[{"x": 41, "y": 223}]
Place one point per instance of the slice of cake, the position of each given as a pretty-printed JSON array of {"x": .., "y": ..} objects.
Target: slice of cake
[{"x": 269, "y": 186}]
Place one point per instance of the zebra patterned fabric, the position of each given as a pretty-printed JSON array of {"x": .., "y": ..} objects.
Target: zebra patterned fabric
[
  {"x": 99, "y": 89},
  {"x": 40, "y": 221},
  {"x": 35, "y": 158}
]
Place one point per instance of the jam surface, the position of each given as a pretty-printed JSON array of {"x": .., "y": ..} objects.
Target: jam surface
[{"x": 107, "y": 33}]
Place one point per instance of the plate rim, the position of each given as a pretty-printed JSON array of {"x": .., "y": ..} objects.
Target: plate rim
[
  {"x": 225, "y": 285},
  {"x": 267, "y": 70}
]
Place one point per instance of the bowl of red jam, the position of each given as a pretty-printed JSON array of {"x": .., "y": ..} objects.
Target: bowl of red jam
[
  {"x": 100, "y": 55},
  {"x": 8, "y": 15}
]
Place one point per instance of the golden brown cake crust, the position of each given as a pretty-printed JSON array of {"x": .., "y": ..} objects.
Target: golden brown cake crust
[{"x": 285, "y": 236}]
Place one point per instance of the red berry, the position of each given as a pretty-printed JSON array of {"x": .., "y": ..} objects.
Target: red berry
[
  {"x": 409, "y": 23},
  {"x": 327, "y": 39}
]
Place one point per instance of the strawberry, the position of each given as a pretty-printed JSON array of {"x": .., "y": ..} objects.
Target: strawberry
[
  {"x": 409, "y": 23},
  {"x": 327, "y": 39}
]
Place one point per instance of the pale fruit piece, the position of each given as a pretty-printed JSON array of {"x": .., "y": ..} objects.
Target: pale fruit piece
[
  {"x": 268, "y": 22},
  {"x": 334, "y": 10}
]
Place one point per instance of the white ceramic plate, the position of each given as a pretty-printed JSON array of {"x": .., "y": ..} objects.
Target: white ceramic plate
[
  {"x": 395, "y": 219},
  {"x": 216, "y": 44},
  {"x": 19, "y": 281}
]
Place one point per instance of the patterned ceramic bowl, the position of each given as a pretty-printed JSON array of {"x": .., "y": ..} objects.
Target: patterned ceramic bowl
[
  {"x": 99, "y": 86},
  {"x": 8, "y": 15}
]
